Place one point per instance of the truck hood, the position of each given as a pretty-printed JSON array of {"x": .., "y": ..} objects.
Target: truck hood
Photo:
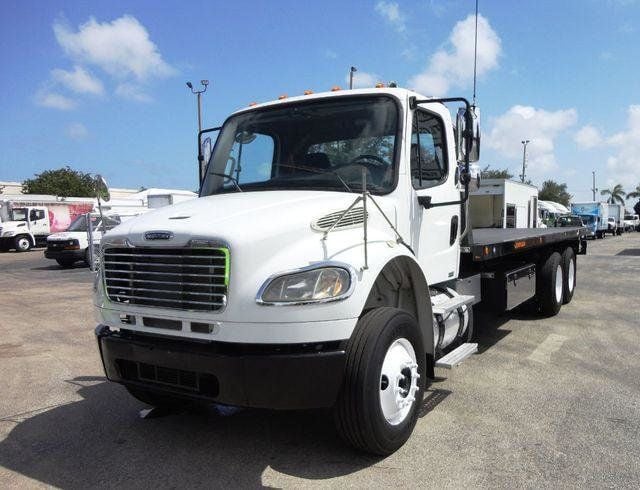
[
  {"x": 13, "y": 225},
  {"x": 67, "y": 235},
  {"x": 238, "y": 217}
]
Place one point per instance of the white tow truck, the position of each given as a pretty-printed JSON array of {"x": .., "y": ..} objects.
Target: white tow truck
[{"x": 328, "y": 262}]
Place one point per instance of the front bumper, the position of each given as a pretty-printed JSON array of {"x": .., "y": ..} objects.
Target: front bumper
[
  {"x": 249, "y": 375},
  {"x": 64, "y": 254}
]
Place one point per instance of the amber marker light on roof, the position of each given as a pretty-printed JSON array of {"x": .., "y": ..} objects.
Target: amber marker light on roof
[
  {"x": 307, "y": 92},
  {"x": 251, "y": 104},
  {"x": 335, "y": 88},
  {"x": 283, "y": 96},
  {"x": 379, "y": 85}
]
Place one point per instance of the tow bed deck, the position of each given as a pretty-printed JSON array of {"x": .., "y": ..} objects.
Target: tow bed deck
[{"x": 492, "y": 243}]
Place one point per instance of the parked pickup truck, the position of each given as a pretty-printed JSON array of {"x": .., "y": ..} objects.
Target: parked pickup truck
[{"x": 328, "y": 262}]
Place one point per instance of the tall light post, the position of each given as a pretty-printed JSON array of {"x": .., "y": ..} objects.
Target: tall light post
[
  {"x": 594, "y": 189},
  {"x": 524, "y": 158},
  {"x": 351, "y": 72},
  {"x": 199, "y": 93}
]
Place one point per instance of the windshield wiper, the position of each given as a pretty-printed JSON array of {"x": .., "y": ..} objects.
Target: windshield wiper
[
  {"x": 230, "y": 177},
  {"x": 318, "y": 171}
]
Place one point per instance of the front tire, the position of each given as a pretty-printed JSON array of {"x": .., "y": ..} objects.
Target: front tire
[
  {"x": 65, "y": 263},
  {"x": 22, "y": 243},
  {"x": 378, "y": 406},
  {"x": 549, "y": 285}
]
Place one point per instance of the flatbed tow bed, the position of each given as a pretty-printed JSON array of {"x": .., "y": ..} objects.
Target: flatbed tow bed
[{"x": 492, "y": 243}]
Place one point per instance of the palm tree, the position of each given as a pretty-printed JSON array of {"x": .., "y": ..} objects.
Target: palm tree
[
  {"x": 634, "y": 194},
  {"x": 615, "y": 194}
]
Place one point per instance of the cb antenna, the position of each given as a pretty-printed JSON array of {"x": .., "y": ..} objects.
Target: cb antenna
[{"x": 475, "y": 57}]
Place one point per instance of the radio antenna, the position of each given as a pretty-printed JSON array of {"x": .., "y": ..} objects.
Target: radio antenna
[{"x": 475, "y": 57}]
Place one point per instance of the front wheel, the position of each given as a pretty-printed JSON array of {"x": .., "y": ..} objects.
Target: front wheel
[
  {"x": 378, "y": 406},
  {"x": 65, "y": 263},
  {"x": 22, "y": 244}
]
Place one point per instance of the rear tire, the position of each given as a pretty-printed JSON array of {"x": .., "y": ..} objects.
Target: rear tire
[
  {"x": 378, "y": 405},
  {"x": 549, "y": 285},
  {"x": 22, "y": 243},
  {"x": 569, "y": 276}
]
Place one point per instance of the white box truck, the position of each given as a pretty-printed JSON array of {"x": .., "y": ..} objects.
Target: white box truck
[
  {"x": 329, "y": 262},
  {"x": 616, "y": 212},
  {"x": 504, "y": 203},
  {"x": 28, "y": 220}
]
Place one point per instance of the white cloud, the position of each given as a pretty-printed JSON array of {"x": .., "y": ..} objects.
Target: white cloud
[
  {"x": 453, "y": 66},
  {"x": 330, "y": 54},
  {"x": 122, "y": 47},
  {"x": 77, "y": 131},
  {"x": 391, "y": 13},
  {"x": 132, "y": 91},
  {"x": 588, "y": 137},
  {"x": 362, "y": 79},
  {"x": 79, "y": 80},
  {"x": 53, "y": 100},
  {"x": 539, "y": 126},
  {"x": 624, "y": 166}
]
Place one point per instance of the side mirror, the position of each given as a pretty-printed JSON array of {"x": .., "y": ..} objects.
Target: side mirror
[
  {"x": 205, "y": 154},
  {"x": 102, "y": 189},
  {"x": 468, "y": 126}
]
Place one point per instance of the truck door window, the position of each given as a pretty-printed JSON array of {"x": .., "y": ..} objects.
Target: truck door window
[{"x": 428, "y": 161}]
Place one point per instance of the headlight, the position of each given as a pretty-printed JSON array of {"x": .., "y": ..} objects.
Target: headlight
[
  {"x": 307, "y": 286},
  {"x": 8, "y": 233}
]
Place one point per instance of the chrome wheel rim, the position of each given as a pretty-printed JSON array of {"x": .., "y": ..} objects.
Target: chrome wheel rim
[
  {"x": 559, "y": 284},
  {"x": 398, "y": 381},
  {"x": 23, "y": 243},
  {"x": 571, "y": 275}
]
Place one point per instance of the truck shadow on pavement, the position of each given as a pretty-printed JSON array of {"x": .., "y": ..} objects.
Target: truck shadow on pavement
[{"x": 101, "y": 441}]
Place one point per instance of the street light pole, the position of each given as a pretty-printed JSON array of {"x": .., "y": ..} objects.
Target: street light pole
[
  {"x": 351, "y": 72},
  {"x": 199, "y": 93},
  {"x": 524, "y": 158},
  {"x": 594, "y": 189}
]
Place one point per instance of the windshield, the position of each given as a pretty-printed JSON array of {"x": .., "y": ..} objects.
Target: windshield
[
  {"x": 319, "y": 145},
  {"x": 19, "y": 214},
  {"x": 588, "y": 218}
]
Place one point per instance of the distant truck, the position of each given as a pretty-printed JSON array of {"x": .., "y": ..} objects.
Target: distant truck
[
  {"x": 504, "y": 203},
  {"x": 27, "y": 221},
  {"x": 594, "y": 215},
  {"x": 616, "y": 212},
  {"x": 631, "y": 222}
]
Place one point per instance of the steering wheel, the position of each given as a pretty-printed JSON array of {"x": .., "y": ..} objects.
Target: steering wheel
[{"x": 362, "y": 160}]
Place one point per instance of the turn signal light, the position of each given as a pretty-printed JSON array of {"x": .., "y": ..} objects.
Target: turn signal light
[
  {"x": 307, "y": 92},
  {"x": 283, "y": 96},
  {"x": 251, "y": 104},
  {"x": 335, "y": 88}
]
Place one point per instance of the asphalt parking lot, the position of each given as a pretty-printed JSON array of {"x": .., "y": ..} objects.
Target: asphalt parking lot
[{"x": 547, "y": 402}]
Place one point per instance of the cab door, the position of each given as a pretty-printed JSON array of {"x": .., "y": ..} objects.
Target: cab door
[
  {"x": 38, "y": 221},
  {"x": 436, "y": 230}
]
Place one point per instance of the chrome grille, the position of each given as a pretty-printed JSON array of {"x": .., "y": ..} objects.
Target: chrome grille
[{"x": 182, "y": 278}]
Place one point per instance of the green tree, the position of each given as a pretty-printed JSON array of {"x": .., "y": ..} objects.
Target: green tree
[
  {"x": 615, "y": 194},
  {"x": 553, "y": 191},
  {"x": 634, "y": 194},
  {"x": 64, "y": 182},
  {"x": 488, "y": 173}
]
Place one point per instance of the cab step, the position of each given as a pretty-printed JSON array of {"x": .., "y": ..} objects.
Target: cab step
[
  {"x": 446, "y": 307},
  {"x": 457, "y": 356}
]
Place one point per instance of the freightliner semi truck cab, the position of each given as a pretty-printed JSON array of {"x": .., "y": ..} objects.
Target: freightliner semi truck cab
[{"x": 320, "y": 266}]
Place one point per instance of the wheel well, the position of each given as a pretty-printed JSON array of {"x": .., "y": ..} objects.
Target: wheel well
[{"x": 401, "y": 284}]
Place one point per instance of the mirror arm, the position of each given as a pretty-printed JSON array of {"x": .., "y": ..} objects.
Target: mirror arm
[
  {"x": 465, "y": 177},
  {"x": 200, "y": 155}
]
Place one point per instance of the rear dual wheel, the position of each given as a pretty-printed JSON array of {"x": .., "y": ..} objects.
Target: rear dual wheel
[
  {"x": 550, "y": 285},
  {"x": 378, "y": 406}
]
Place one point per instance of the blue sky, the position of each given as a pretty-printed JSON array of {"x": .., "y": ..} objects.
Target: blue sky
[{"x": 100, "y": 85}]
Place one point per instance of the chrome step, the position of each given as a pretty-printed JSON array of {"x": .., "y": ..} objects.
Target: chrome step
[
  {"x": 457, "y": 356},
  {"x": 444, "y": 308}
]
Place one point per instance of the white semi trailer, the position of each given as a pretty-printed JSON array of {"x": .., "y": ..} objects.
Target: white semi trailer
[{"x": 328, "y": 262}]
